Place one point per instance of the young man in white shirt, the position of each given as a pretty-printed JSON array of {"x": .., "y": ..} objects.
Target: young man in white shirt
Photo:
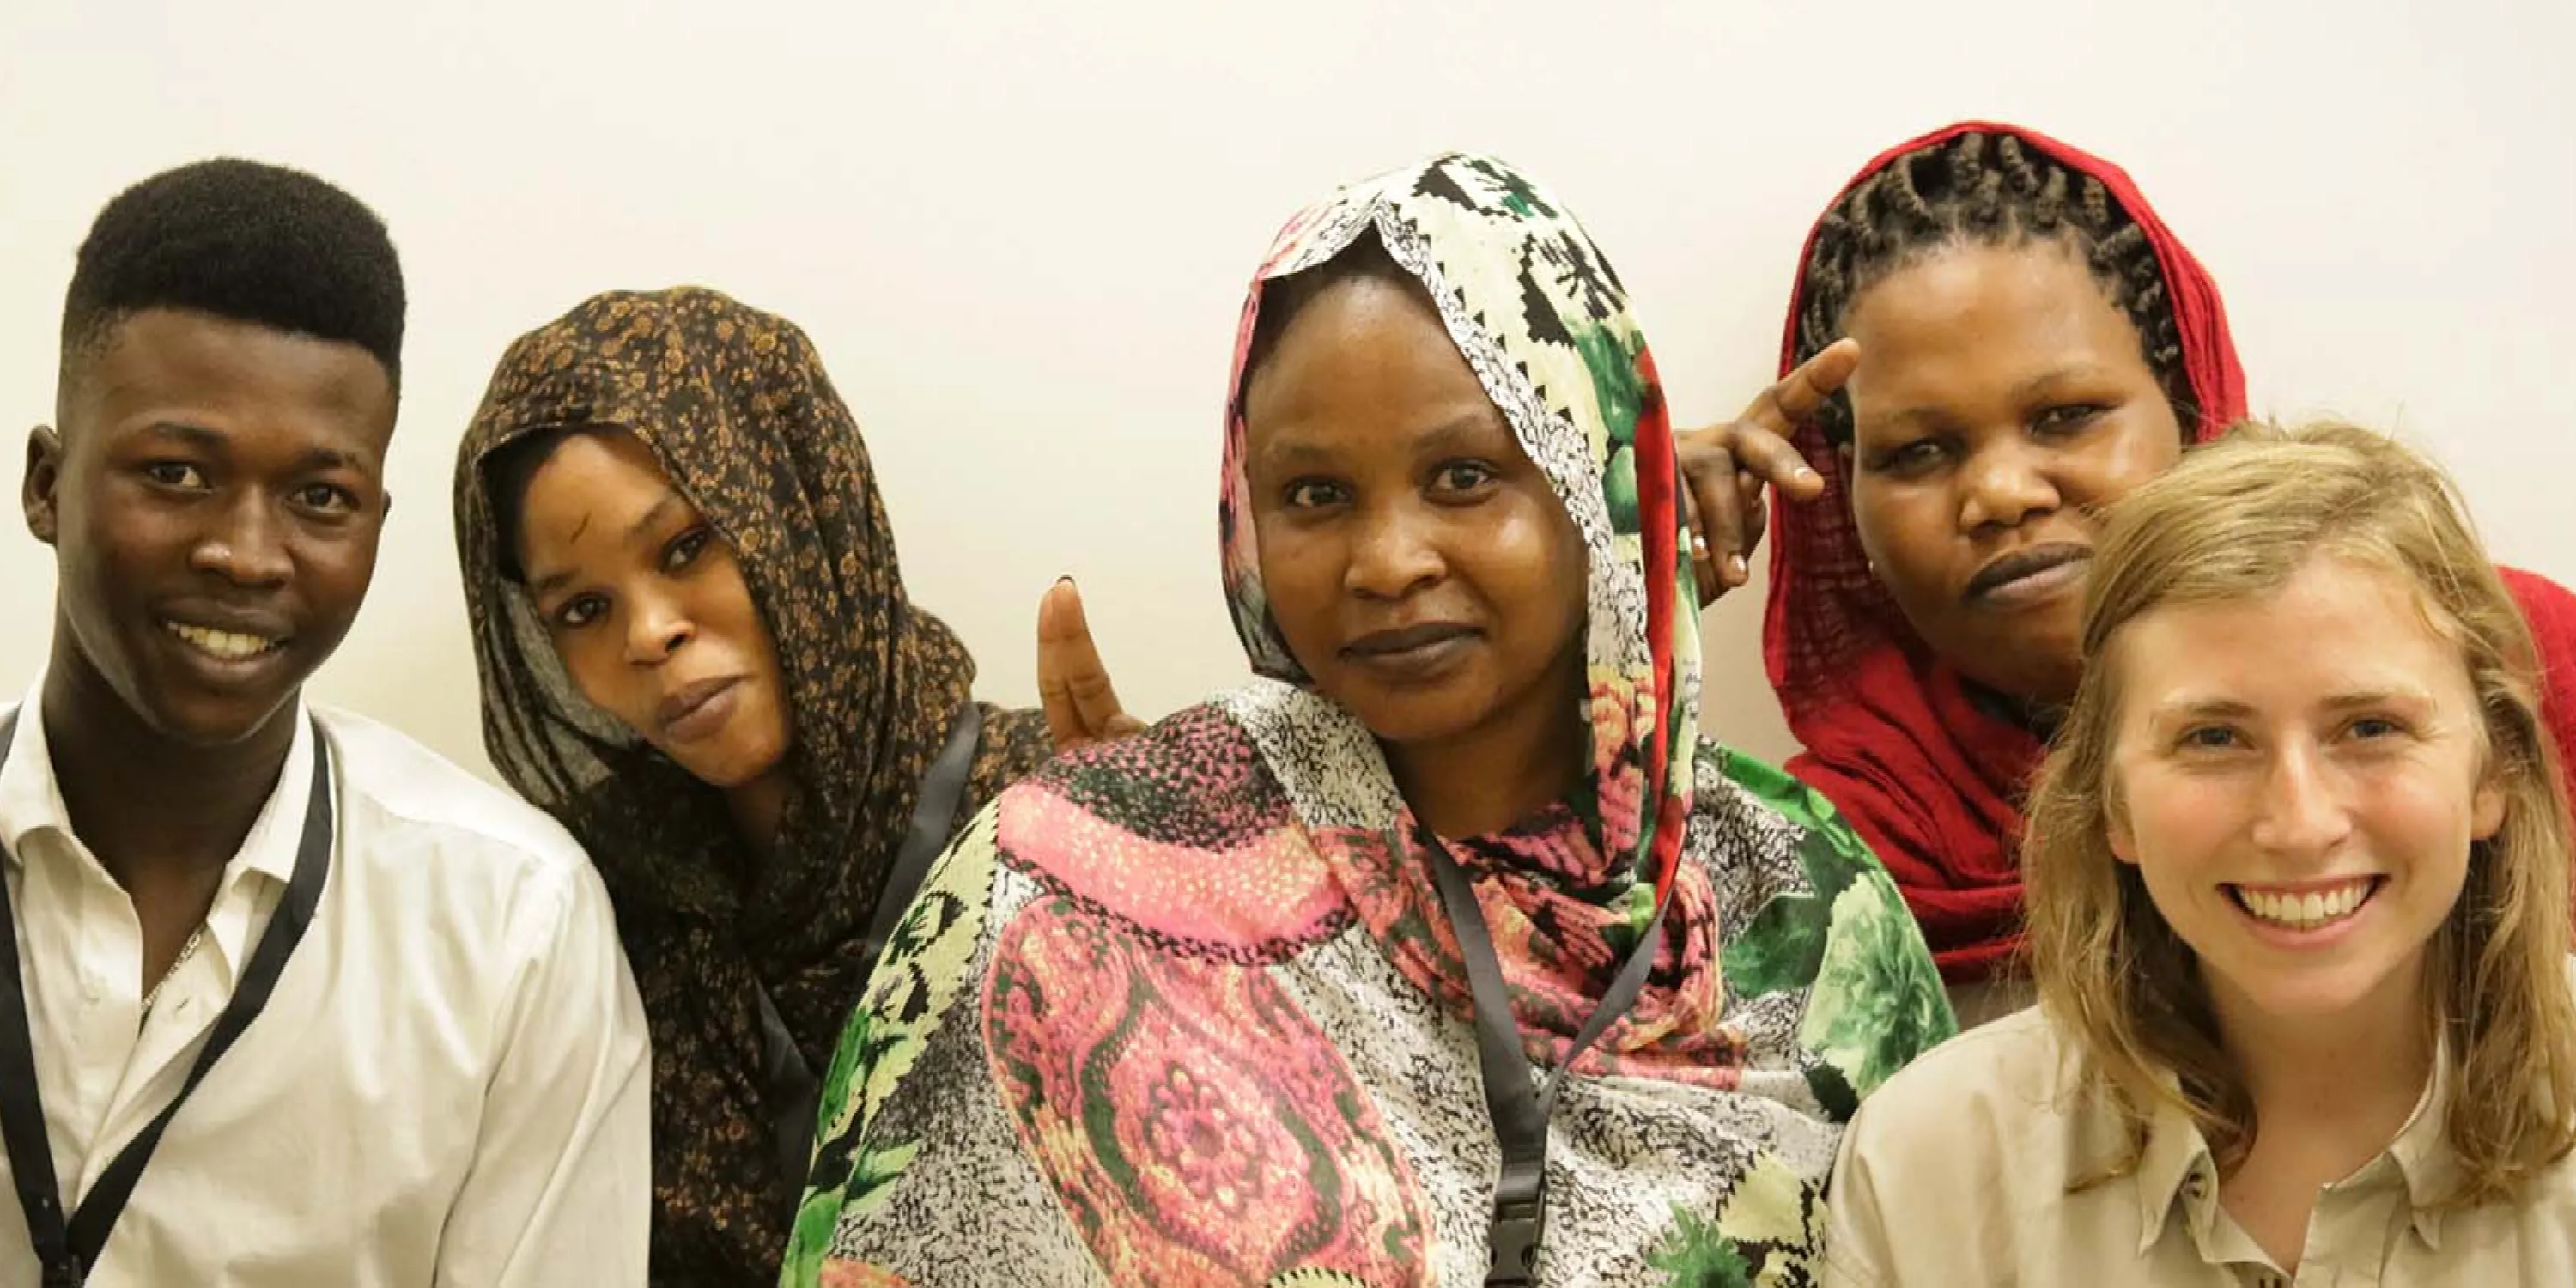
[{"x": 286, "y": 998}]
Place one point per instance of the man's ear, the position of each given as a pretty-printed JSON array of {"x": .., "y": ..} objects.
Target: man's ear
[{"x": 44, "y": 477}]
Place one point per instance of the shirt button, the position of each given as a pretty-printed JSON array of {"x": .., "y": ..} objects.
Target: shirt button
[{"x": 92, "y": 986}]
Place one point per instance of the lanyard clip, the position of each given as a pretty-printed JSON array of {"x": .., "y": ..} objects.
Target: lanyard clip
[
  {"x": 64, "y": 1272},
  {"x": 1520, "y": 1225}
]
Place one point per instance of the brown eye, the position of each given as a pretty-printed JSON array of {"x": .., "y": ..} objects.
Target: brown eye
[
  {"x": 579, "y": 611},
  {"x": 326, "y": 498},
  {"x": 1461, "y": 477},
  {"x": 1308, "y": 494},
  {"x": 1908, "y": 460},
  {"x": 686, "y": 549},
  {"x": 2067, "y": 419}
]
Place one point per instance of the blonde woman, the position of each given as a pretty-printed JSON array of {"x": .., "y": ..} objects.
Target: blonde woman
[{"x": 2298, "y": 889}]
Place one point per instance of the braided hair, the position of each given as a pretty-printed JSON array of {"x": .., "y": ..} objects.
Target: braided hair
[{"x": 1992, "y": 190}]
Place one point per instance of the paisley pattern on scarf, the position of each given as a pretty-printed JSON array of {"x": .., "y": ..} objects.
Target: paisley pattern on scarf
[{"x": 1213, "y": 1031}]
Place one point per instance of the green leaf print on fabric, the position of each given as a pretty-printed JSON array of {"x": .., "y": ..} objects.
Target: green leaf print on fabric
[
  {"x": 1878, "y": 1001},
  {"x": 910, "y": 994},
  {"x": 1765, "y": 1236},
  {"x": 1784, "y": 946},
  {"x": 1619, "y": 490},
  {"x": 834, "y": 1166},
  {"x": 1617, "y": 388},
  {"x": 1875, "y": 1001},
  {"x": 1620, "y": 392},
  {"x": 1519, "y": 195},
  {"x": 1696, "y": 1256},
  {"x": 1781, "y": 790}
]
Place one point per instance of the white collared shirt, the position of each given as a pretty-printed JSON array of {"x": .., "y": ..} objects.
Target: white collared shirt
[
  {"x": 448, "y": 1087},
  {"x": 1956, "y": 1172}
]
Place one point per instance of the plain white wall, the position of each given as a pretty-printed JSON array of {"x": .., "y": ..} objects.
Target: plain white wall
[{"x": 1020, "y": 233}]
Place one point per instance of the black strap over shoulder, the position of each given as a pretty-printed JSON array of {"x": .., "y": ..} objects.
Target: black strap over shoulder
[
  {"x": 1519, "y": 1111},
  {"x": 791, "y": 1089},
  {"x": 67, "y": 1251},
  {"x": 934, "y": 817}
]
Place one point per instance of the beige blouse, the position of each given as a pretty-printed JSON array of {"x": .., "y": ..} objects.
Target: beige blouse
[{"x": 1955, "y": 1173}]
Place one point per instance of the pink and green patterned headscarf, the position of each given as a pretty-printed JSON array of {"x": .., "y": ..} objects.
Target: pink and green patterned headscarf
[
  {"x": 1186, "y": 1007},
  {"x": 1544, "y": 322}
]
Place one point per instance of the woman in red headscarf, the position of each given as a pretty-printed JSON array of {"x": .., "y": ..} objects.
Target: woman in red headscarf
[
  {"x": 2017, "y": 340},
  {"x": 1992, "y": 336}
]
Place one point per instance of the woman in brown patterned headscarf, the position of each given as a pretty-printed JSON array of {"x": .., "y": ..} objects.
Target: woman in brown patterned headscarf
[{"x": 696, "y": 653}]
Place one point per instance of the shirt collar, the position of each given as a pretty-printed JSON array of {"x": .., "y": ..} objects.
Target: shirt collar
[
  {"x": 2177, "y": 1167},
  {"x": 2422, "y": 1152},
  {"x": 278, "y": 832},
  {"x": 31, "y": 800}
]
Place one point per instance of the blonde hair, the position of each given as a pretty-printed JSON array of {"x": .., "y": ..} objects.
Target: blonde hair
[{"x": 2234, "y": 521}]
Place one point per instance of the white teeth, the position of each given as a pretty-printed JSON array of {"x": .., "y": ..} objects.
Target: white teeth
[
  {"x": 231, "y": 646},
  {"x": 2308, "y": 911}
]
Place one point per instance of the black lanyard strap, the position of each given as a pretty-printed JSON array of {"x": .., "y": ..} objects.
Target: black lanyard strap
[
  {"x": 934, "y": 817},
  {"x": 1520, "y": 1112},
  {"x": 790, "y": 1090},
  {"x": 67, "y": 1252}
]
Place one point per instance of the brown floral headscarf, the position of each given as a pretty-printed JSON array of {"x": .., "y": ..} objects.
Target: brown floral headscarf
[{"x": 735, "y": 405}]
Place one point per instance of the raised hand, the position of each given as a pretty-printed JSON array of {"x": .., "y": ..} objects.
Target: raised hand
[
  {"x": 1081, "y": 704},
  {"x": 1726, "y": 467}
]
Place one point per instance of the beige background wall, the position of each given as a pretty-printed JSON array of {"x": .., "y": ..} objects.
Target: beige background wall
[{"x": 1019, "y": 232}]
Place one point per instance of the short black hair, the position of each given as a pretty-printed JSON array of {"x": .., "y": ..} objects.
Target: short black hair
[{"x": 245, "y": 241}]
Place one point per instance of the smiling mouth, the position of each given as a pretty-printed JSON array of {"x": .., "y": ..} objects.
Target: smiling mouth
[
  {"x": 2307, "y": 910},
  {"x": 222, "y": 645}
]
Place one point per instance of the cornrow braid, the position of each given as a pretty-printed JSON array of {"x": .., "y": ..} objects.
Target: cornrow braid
[{"x": 1984, "y": 189}]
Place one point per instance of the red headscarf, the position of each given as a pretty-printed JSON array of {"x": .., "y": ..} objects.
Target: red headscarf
[{"x": 1928, "y": 777}]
